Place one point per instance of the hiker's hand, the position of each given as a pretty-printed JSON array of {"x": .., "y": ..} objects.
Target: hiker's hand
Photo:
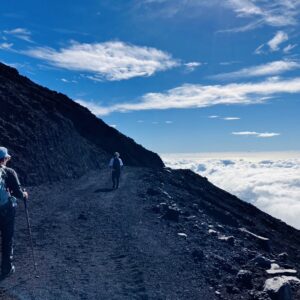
[{"x": 25, "y": 195}]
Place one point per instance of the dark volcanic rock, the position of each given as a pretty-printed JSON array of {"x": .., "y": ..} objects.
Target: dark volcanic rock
[
  {"x": 198, "y": 255},
  {"x": 283, "y": 256},
  {"x": 244, "y": 279},
  {"x": 52, "y": 137},
  {"x": 172, "y": 214},
  {"x": 262, "y": 261},
  {"x": 153, "y": 192}
]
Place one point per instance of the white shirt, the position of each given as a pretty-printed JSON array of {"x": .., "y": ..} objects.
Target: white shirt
[{"x": 112, "y": 162}]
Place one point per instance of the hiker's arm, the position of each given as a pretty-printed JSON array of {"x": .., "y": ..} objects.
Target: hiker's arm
[
  {"x": 121, "y": 163},
  {"x": 14, "y": 185}
]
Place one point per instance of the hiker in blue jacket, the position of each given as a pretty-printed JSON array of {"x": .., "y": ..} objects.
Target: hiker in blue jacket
[
  {"x": 116, "y": 165},
  {"x": 10, "y": 189}
]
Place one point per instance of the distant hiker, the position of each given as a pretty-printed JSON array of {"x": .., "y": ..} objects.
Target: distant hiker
[
  {"x": 116, "y": 164},
  {"x": 10, "y": 189}
]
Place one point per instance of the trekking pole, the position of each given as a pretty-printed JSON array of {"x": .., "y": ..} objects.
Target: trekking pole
[{"x": 29, "y": 231}]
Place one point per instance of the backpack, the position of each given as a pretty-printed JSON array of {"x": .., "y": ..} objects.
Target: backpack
[
  {"x": 4, "y": 194},
  {"x": 116, "y": 164}
]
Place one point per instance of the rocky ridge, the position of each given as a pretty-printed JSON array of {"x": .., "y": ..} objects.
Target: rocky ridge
[{"x": 53, "y": 137}]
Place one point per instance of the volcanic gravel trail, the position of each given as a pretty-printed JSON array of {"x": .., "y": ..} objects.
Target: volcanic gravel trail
[{"x": 95, "y": 243}]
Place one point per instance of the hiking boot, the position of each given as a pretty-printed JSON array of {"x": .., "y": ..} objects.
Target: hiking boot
[{"x": 7, "y": 273}]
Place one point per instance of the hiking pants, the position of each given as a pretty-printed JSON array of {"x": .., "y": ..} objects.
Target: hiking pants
[
  {"x": 7, "y": 222},
  {"x": 115, "y": 178}
]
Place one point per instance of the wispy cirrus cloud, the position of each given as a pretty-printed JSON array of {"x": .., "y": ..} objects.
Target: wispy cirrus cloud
[
  {"x": 231, "y": 118},
  {"x": 224, "y": 118},
  {"x": 199, "y": 96},
  {"x": 273, "y": 44},
  {"x": 268, "y": 69},
  {"x": 68, "y": 80},
  {"x": 191, "y": 66},
  {"x": 173, "y": 8},
  {"x": 20, "y": 33},
  {"x": 289, "y": 48},
  {"x": 279, "y": 38},
  {"x": 257, "y": 134},
  {"x": 6, "y": 46},
  {"x": 276, "y": 13},
  {"x": 228, "y": 63},
  {"x": 109, "y": 60}
]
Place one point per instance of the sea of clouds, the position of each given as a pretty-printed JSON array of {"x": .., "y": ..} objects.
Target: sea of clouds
[{"x": 270, "y": 181}]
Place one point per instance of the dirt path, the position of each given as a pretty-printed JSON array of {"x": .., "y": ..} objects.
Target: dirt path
[{"x": 94, "y": 243}]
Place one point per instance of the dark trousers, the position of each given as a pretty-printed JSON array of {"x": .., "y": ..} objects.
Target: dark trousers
[
  {"x": 115, "y": 178},
  {"x": 7, "y": 222}
]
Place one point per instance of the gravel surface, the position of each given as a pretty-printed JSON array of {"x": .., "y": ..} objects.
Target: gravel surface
[
  {"x": 94, "y": 243},
  {"x": 164, "y": 234}
]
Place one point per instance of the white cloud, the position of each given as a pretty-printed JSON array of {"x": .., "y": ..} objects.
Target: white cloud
[
  {"x": 199, "y": 96},
  {"x": 289, "y": 48},
  {"x": 68, "y": 81},
  {"x": 277, "y": 40},
  {"x": 6, "y": 46},
  {"x": 245, "y": 8},
  {"x": 231, "y": 118},
  {"x": 260, "y": 49},
  {"x": 257, "y": 134},
  {"x": 169, "y": 122},
  {"x": 271, "y": 68},
  {"x": 109, "y": 60},
  {"x": 113, "y": 125},
  {"x": 20, "y": 33},
  {"x": 244, "y": 28},
  {"x": 245, "y": 133},
  {"x": 267, "y": 134},
  {"x": 271, "y": 181},
  {"x": 191, "y": 66},
  {"x": 273, "y": 13},
  {"x": 224, "y": 118}
]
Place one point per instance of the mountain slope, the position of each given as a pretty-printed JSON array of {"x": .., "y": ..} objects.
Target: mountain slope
[
  {"x": 94, "y": 243},
  {"x": 165, "y": 234},
  {"x": 52, "y": 137}
]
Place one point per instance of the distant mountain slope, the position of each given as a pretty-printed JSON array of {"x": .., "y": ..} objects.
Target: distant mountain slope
[{"x": 52, "y": 137}]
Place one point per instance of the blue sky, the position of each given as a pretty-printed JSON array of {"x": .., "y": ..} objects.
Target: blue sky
[{"x": 177, "y": 76}]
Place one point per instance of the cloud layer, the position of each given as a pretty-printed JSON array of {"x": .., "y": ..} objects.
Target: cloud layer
[
  {"x": 110, "y": 60},
  {"x": 197, "y": 96},
  {"x": 20, "y": 33},
  {"x": 269, "y": 181},
  {"x": 276, "y": 13},
  {"x": 273, "y": 13},
  {"x": 256, "y": 134},
  {"x": 267, "y": 69}
]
